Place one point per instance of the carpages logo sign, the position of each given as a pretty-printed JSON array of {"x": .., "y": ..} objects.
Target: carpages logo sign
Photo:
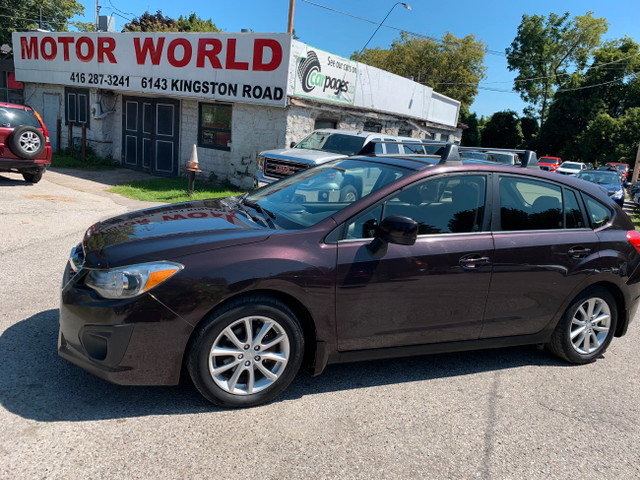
[{"x": 326, "y": 77}]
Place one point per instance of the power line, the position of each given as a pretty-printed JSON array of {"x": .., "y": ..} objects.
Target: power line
[{"x": 599, "y": 84}]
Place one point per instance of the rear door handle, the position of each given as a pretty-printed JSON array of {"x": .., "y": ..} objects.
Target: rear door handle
[
  {"x": 579, "y": 252},
  {"x": 473, "y": 262}
]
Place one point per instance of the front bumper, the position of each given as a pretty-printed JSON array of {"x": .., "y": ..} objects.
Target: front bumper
[{"x": 134, "y": 342}]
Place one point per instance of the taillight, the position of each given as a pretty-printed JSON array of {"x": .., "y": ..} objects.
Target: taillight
[{"x": 634, "y": 239}]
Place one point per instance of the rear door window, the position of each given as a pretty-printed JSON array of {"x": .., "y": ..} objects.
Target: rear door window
[
  {"x": 598, "y": 213},
  {"x": 527, "y": 204}
]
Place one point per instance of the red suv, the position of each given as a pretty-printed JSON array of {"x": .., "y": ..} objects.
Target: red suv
[
  {"x": 549, "y": 164},
  {"x": 24, "y": 142}
]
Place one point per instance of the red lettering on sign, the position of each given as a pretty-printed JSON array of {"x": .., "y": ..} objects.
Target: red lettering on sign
[
  {"x": 106, "y": 46},
  {"x": 198, "y": 215},
  {"x": 186, "y": 53},
  {"x": 148, "y": 48},
  {"x": 65, "y": 42},
  {"x": 211, "y": 53},
  {"x": 90, "y": 49},
  {"x": 53, "y": 48},
  {"x": 231, "y": 63},
  {"x": 259, "y": 46},
  {"x": 29, "y": 50}
]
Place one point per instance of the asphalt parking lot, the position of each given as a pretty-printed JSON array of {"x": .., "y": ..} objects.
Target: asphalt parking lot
[{"x": 515, "y": 413}]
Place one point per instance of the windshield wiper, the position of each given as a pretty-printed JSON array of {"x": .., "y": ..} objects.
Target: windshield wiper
[{"x": 269, "y": 215}]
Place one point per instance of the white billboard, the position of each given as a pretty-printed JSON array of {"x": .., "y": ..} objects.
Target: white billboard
[
  {"x": 235, "y": 67},
  {"x": 323, "y": 76}
]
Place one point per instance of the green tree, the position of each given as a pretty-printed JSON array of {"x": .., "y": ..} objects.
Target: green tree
[
  {"x": 608, "y": 86},
  {"x": 23, "y": 15},
  {"x": 194, "y": 23},
  {"x": 452, "y": 66},
  {"x": 471, "y": 134},
  {"x": 543, "y": 51},
  {"x": 159, "y": 23},
  {"x": 529, "y": 128},
  {"x": 502, "y": 130},
  {"x": 608, "y": 139}
]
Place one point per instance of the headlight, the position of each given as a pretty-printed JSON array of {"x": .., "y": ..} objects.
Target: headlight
[
  {"x": 127, "y": 282},
  {"x": 618, "y": 195},
  {"x": 260, "y": 162}
]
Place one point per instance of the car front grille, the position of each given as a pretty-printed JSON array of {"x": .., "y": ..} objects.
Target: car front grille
[{"x": 278, "y": 168}]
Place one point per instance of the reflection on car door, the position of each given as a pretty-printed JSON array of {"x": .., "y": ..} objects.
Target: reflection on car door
[
  {"x": 433, "y": 291},
  {"x": 543, "y": 251}
]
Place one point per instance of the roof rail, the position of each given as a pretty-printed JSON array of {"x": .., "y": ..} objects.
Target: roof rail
[
  {"x": 447, "y": 151},
  {"x": 529, "y": 158}
]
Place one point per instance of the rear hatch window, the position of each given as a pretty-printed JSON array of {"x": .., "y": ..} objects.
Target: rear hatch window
[{"x": 11, "y": 117}]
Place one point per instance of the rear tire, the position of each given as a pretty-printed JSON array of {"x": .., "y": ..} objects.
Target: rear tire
[
  {"x": 586, "y": 328},
  {"x": 247, "y": 353},
  {"x": 32, "y": 177}
]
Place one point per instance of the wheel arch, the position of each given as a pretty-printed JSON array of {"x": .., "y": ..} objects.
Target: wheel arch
[
  {"x": 299, "y": 310},
  {"x": 621, "y": 306}
]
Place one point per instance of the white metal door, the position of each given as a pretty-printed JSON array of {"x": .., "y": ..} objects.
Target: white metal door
[{"x": 51, "y": 115}]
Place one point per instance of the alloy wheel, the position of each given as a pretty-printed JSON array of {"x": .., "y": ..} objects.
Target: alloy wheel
[
  {"x": 590, "y": 325},
  {"x": 249, "y": 355}
]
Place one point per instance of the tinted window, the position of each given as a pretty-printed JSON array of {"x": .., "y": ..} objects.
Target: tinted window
[
  {"x": 391, "y": 147},
  {"x": 442, "y": 205},
  {"x": 15, "y": 117},
  {"x": 529, "y": 205},
  {"x": 332, "y": 142},
  {"x": 573, "y": 215},
  {"x": 214, "y": 125},
  {"x": 599, "y": 214}
]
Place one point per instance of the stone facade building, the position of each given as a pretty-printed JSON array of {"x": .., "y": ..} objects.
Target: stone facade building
[{"x": 146, "y": 99}]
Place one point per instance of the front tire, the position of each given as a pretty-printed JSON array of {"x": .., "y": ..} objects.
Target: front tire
[
  {"x": 247, "y": 353},
  {"x": 586, "y": 328}
]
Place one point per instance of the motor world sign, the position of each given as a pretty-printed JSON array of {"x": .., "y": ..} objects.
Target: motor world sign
[
  {"x": 249, "y": 68},
  {"x": 323, "y": 76}
]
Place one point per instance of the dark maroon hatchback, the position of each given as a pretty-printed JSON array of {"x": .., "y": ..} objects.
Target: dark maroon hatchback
[{"x": 432, "y": 255}]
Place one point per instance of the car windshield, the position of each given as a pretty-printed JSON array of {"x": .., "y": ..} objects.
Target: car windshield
[
  {"x": 333, "y": 142},
  {"x": 304, "y": 199},
  {"x": 15, "y": 117},
  {"x": 571, "y": 165},
  {"x": 554, "y": 161},
  {"x": 600, "y": 177}
]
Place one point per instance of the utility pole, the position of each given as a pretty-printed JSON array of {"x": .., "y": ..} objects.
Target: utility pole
[
  {"x": 97, "y": 15},
  {"x": 636, "y": 167},
  {"x": 292, "y": 7}
]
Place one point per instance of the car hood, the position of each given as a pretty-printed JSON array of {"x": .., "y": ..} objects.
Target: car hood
[
  {"x": 302, "y": 154},
  {"x": 170, "y": 231}
]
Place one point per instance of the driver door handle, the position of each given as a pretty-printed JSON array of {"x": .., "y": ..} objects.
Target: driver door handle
[{"x": 473, "y": 262}]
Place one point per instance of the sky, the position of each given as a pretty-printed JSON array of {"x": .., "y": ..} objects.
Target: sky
[{"x": 343, "y": 27}]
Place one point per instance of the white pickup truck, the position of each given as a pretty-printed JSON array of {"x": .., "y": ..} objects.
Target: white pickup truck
[{"x": 322, "y": 146}]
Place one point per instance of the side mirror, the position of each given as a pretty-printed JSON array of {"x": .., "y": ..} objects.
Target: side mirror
[
  {"x": 292, "y": 144},
  {"x": 393, "y": 229},
  {"x": 626, "y": 184}
]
